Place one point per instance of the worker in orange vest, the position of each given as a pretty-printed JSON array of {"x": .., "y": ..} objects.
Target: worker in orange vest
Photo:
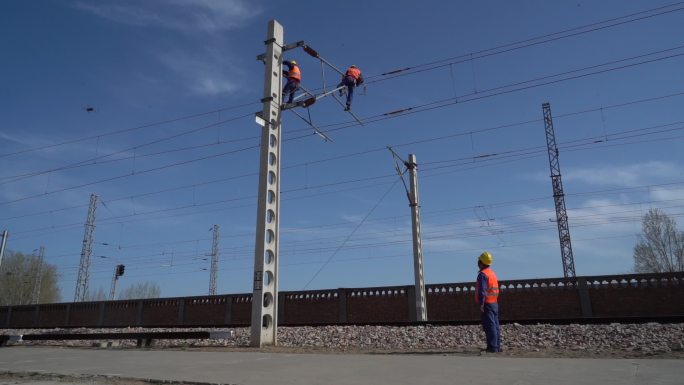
[
  {"x": 351, "y": 79},
  {"x": 486, "y": 295},
  {"x": 294, "y": 77}
]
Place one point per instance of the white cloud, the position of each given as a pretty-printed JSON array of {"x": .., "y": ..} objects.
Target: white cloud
[
  {"x": 29, "y": 140},
  {"x": 627, "y": 175},
  {"x": 187, "y": 16},
  {"x": 203, "y": 72},
  {"x": 667, "y": 194}
]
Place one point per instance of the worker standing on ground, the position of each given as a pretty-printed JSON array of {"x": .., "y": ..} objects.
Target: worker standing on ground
[
  {"x": 294, "y": 77},
  {"x": 486, "y": 295},
  {"x": 351, "y": 79}
]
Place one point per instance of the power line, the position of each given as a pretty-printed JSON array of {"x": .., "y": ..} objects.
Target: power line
[
  {"x": 116, "y": 132},
  {"x": 406, "y": 111},
  {"x": 327, "y": 261},
  {"x": 529, "y": 42},
  {"x": 581, "y": 220},
  {"x": 93, "y": 161},
  {"x": 621, "y": 20},
  {"x": 484, "y": 94},
  {"x": 488, "y": 158}
]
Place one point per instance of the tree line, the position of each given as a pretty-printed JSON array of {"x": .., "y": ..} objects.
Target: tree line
[{"x": 22, "y": 276}]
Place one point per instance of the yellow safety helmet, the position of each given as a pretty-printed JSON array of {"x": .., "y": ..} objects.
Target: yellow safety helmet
[
  {"x": 486, "y": 258},
  {"x": 293, "y": 62}
]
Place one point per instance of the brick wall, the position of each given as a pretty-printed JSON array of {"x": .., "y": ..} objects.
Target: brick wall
[
  {"x": 380, "y": 304},
  {"x": 84, "y": 314},
  {"x": 214, "y": 310},
  {"x": 309, "y": 307},
  {"x": 627, "y": 295}
]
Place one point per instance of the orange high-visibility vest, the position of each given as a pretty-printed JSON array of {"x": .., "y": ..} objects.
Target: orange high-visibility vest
[
  {"x": 295, "y": 73},
  {"x": 353, "y": 72},
  {"x": 492, "y": 292}
]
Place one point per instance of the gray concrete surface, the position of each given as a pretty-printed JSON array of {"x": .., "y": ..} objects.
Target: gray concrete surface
[{"x": 254, "y": 368}]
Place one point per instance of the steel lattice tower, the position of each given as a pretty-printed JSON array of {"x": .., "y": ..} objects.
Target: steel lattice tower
[
  {"x": 558, "y": 196},
  {"x": 38, "y": 280},
  {"x": 84, "y": 266},
  {"x": 214, "y": 261}
]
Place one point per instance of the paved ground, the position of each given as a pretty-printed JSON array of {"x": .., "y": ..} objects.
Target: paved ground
[{"x": 256, "y": 368}]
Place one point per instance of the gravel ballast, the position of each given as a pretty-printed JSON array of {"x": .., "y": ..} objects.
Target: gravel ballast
[{"x": 614, "y": 340}]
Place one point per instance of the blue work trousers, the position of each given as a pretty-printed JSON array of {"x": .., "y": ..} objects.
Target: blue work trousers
[
  {"x": 490, "y": 324},
  {"x": 350, "y": 82},
  {"x": 289, "y": 90}
]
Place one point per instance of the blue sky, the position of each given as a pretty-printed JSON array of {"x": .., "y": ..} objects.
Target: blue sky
[{"x": 170, "y": 147}]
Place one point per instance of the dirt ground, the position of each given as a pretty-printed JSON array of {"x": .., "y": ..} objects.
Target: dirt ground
[{"x": 58, "y": 379}]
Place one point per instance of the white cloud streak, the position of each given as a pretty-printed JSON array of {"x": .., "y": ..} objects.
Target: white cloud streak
[
  {"x": 204, "y": 72},
  {"x": 187, "y": 16},
  {"x": 622, "y": 175}
]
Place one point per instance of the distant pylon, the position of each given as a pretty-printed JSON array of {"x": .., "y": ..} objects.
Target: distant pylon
[
  {"x": 84, "y": 266},
  {"x": 558, "y": 196},
  {"x": 38, "y": 279},
  {"x": 214, "y": 261}
]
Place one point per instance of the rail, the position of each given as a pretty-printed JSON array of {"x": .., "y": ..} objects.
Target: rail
[{"x": 142, "y": 338}]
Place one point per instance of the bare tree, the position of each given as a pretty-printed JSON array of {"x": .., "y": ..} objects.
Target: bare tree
[
  {"x": 660, "y": 247},
  {"x": 141, "y": 290},
  {"x": 99, "y": 295},
  {"x": 18, "y": 275}
]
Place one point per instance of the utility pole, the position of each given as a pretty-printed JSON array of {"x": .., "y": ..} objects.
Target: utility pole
[
  {"x": 118, "y": 272},
  {"x": 38, "y": 280},
  {"x": 265, "y": 289},
  {"x": 86, "y": 250},
  {"x": 558, "y": 196},
  {"x": 421, "y": 305},
  {"x": 5, "y": 235},
  {"x": 412, "y": 195},
  {"x": 214, "y": 261}
]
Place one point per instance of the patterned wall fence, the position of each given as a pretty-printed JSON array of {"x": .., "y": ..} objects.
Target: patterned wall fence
[{"x": 627, "y": 295}]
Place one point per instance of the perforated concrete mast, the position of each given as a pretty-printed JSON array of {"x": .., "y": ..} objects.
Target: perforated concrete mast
[{"x": 265, "y": 288}]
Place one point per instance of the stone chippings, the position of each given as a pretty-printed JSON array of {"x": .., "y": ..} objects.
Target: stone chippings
[{"x": 642, "y": 339}]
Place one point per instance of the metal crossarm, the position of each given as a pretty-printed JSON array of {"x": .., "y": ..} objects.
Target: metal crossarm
[{"x": 316, "y": 130}]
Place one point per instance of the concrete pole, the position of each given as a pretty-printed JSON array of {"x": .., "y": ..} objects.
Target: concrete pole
[
  {"x": 5, "y": 234},
  {"x": 265, "y": 289},
  {"x": 421, "y": 305}
]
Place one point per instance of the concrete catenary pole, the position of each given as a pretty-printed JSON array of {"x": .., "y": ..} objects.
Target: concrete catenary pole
[
  {"x": 86, "y": 250},
  {"x": 421, "y": 303},
  {"x": 5, "y": 234},
  {"x": 38, "y": 278},
  {"x": 265, "y": 289},
  {"x": 214, "y": 260}
]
